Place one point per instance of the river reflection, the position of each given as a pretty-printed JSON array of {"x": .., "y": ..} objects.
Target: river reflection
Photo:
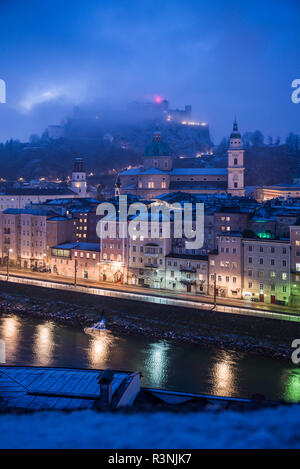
[
  {"x": 166, "y": 365},
  {"x": 43, "y": 344},
  {"x": 224, "y": 375}
]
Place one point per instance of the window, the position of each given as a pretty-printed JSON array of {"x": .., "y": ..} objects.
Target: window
[
  {"x": 150, "y": 185},
  {"x": 261, "y": 261},
  {"x": 272, "y": 261},
  {"x": 250, "y": 260},
  {"x": 284, "y": 275},
  {"x": 250, "y": 285},
  {"x": 227, "y": 279},
  {"x": 283, "y": 263},
  {"x": 249, "y": 273},
  {"x": 272, "y": 274},
  {"x": 234, "y": 279},
  {"x": 261, "y": 287},
  {"x": 250, "y": 248}
]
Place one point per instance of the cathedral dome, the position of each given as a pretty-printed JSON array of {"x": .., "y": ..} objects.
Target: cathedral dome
[{"x": 157, "y": 147}]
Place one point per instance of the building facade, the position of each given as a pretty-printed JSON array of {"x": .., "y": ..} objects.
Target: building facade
[{"x": 158, "y": 175}]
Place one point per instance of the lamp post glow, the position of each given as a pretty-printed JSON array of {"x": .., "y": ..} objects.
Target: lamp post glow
[
  {"x": 75, "y": 273},
  {"x": 7, "y": 266}
]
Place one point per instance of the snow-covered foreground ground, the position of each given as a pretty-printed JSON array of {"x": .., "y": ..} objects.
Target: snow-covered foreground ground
[{"x": 268, "y": 428}]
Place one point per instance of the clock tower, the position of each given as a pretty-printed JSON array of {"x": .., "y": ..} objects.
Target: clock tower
[
  {"x": 236, "y": 163},
  {"x": 79, "y": 178}
]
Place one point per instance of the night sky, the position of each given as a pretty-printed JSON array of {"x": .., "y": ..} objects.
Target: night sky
[{"x": 223, "y": 57}]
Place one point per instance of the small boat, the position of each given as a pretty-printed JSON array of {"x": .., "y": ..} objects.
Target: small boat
[{"x": 98, "y": 326}]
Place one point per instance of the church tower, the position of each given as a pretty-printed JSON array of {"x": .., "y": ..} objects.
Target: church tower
[
  {"x": 79, "y": 178},
  {"x": 236, "y": 163}
]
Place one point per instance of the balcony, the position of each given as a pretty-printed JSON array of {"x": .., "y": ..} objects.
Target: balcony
[
  {"x": 151, "y": 265},
  {"x": 188, "y": 269}
]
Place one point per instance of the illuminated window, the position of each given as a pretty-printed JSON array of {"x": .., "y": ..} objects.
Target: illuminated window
[{"x": 151, "y": 185}]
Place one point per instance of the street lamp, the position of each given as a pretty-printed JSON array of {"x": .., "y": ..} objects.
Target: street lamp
[
  {"x": 75, "y": 273},
  {"x": 7, "y": 266}
]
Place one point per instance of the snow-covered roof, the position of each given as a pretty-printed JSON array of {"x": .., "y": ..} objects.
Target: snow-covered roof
[{"x": 199, "y": 171}]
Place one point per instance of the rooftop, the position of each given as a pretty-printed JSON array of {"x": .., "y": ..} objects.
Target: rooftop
[
  {"x": 37, "y": 212},
  {"x": 36, "y": 191},
  {"x": 38, "y": 388},
  {"x": 79, "y": 246}
]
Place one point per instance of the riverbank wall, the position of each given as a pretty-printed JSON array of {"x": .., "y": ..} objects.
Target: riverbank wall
[{"x": 257, "y": 335}]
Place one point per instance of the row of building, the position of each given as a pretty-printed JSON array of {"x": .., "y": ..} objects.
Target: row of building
[{"x": 251, "y": 250}]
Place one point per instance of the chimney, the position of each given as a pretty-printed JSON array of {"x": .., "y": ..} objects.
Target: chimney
[{"x": 105, "y": 382}]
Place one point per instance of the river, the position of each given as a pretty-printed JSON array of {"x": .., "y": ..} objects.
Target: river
[{"x": 163, "y": 364}]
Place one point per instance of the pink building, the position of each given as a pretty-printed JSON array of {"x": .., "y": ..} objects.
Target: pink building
[
  {"x": 225, "y": 267},
  {"x": 76, "y": 259},
  {"x": 28, "y": 234}
]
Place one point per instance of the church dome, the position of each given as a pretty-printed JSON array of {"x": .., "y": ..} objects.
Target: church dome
[
  {"x": 235, "y": 132},
  {"x": 157, "y": 147}
]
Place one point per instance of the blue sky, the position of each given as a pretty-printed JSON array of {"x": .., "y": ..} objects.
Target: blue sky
[{"x": 223, "y": 57}]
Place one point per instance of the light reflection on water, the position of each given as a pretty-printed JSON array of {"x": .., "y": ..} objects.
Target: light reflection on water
[
  {"x": 163, "y": 364},
  {"x": 43, "y": 344},
  {"x": 224, "y": 375}
]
